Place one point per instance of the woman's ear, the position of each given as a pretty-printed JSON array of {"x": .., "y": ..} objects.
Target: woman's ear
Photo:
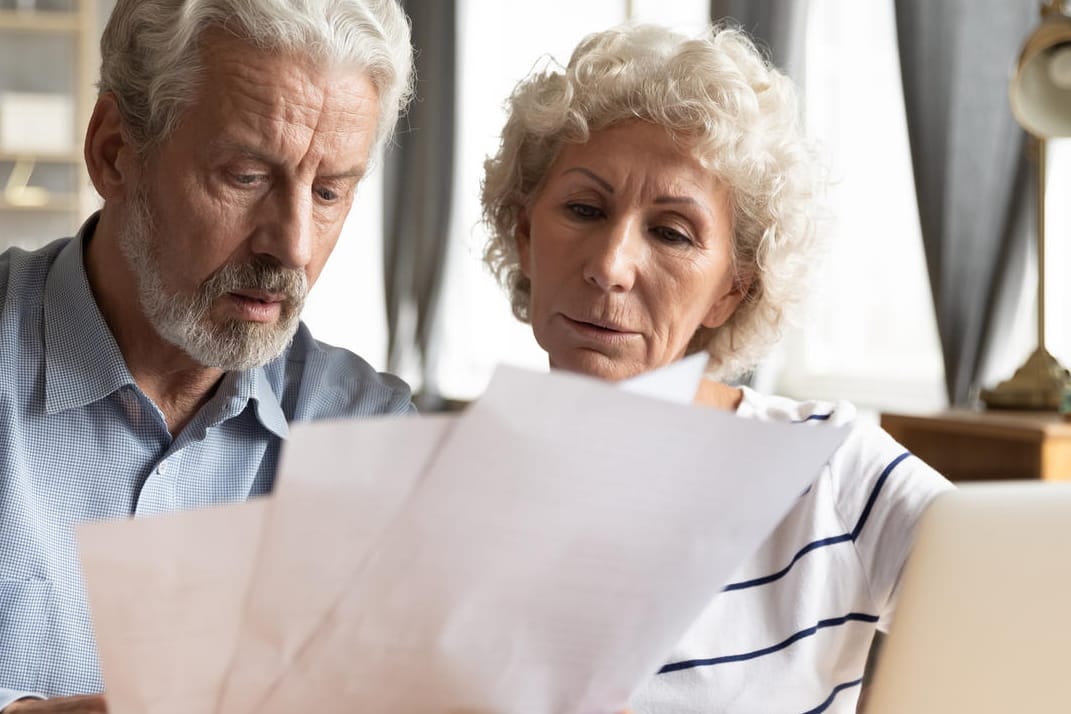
[
  {"x": 522, "y": 234},
  {"x": 724, "y": 307},
  {"x": 110, "y": 159}
]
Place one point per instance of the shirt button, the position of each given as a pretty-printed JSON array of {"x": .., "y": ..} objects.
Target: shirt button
[{"x": 162, "y": 468}]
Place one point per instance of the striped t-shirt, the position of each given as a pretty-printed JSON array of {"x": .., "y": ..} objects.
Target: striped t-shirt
[{"x": 791, "y": 631}]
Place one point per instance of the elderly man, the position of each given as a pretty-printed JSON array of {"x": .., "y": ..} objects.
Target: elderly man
[{"x": 153, "y": 361}]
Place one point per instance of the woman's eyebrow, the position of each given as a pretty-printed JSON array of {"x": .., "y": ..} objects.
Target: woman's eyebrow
[
  {"x": 684, "y": 199},
  {"x": 593, "y": 176},
  {"x": 659, "y": 200}
]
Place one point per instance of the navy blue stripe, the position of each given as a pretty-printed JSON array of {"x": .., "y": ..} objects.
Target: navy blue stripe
[
  {"x": 810, "y": 631},
  {"x": 874, "y": 494},
  {"x": 832, "y": 540},
  {"x": 781, "y": 573},
  {"x": 814, "y": 417},
  {"x": 833, "y": 695}
]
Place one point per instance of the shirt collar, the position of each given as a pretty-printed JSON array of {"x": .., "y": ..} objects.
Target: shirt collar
[
  {"x": 83, "y": 363},
  {"x": 82, "y": 360},
  {"x": 238, "y": 389}
]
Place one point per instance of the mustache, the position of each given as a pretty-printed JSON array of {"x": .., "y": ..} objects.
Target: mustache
[{"x": 261, "y": 273}]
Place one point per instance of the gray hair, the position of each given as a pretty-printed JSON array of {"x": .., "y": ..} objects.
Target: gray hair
[
  {"x": 151, "y": 54},
  {"x": 719, "y": 97}
]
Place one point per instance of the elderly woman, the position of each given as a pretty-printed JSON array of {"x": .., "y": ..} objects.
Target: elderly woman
[{"x": 654, "y": 199}]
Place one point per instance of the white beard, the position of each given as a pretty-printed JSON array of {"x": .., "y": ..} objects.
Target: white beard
[{"x": 186, "y": 320}]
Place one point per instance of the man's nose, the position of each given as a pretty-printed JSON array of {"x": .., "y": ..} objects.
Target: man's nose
[
  {"x": 616, "y": 255},
  {"x": 285, "y": 229}
]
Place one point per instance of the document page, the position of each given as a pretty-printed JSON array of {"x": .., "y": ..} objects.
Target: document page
[
  {"x": 539, "y": 554},
  {"x": 167, "y": 595}
]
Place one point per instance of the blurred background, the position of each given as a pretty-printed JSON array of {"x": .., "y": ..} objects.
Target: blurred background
[{"x": 903, "y": 318}]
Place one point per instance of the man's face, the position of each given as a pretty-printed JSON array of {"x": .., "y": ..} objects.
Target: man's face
[{"x": 237, "y": 211}]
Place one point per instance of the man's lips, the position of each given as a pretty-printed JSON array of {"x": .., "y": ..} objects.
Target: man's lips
[
  {"x": 257, "y": 306},
  {"x": 259, "y": 296}
]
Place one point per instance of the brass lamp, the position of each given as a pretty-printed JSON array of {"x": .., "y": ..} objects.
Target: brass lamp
[{"x": 1040, "y": 97}]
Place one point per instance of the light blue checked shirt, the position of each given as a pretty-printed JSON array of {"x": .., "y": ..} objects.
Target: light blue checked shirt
[{"x": 79, "y": 441}]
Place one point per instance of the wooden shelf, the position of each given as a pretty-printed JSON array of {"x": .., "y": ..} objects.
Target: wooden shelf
[
  {"x": 66, "y": 157},
  {"x": 40, "y": 21},
  {"x": 74, "y": 23},
  {"x": 57, "y": 203}
]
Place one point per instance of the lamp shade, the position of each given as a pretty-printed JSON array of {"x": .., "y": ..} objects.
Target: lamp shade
[{"x": 1040, "y": 91}]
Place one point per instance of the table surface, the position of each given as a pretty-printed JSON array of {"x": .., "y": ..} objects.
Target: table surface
[
  {"x": 1003, "y": 422},
  {"x": 969, "y": 444}
]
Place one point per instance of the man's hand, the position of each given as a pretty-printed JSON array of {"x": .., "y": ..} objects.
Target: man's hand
[
  {"x": 72, "y": 705},
  {"x": 93, "y": 704}
]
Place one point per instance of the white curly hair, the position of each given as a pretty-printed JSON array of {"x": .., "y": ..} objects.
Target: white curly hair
[{"x": 717, "y": 95}]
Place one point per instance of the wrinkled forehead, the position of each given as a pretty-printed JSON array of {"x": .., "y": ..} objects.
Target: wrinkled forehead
[
  {"x": 545, "y": 151},
  {"x": 234, "y": 71}
]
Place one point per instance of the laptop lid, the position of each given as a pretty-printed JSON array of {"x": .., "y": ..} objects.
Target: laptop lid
[{"x": 983, "y": 622}]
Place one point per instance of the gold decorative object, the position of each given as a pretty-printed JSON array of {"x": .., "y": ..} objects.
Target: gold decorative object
[{"x": 1040, "y": 98}]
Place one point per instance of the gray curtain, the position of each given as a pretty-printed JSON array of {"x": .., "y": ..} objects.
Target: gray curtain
[
  {"x": 418, "y": 176},
  {"x": 776, "y": 25},
  {"x": 973, "y": 184}
]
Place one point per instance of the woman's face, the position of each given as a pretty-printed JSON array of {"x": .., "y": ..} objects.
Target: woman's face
[{"x": 628, "y": 246}]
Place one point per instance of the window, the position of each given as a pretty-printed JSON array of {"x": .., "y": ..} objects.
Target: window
[
  {"x": 347, "y": 307},
  {"x": 869, "y": 334},
  {"x": 1057, "y": 254}
]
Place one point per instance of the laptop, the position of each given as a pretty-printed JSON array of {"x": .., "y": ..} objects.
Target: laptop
[{"x": 983, "y": 622}]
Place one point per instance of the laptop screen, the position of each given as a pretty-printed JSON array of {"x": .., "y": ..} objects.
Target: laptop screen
[{"x": 983, "y": 622}]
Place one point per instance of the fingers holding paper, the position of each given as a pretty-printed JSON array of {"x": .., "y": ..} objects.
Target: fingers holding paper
[{"x": 92, "y": 704}]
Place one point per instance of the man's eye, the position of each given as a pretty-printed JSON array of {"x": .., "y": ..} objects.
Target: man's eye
[
  {"x": 583, "y": 210},
  {"x": 326, "y": 194},
  {"x": 246, "y": 179}
]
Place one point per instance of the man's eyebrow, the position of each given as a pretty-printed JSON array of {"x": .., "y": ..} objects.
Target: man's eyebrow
[
  {"x": 234, "y": 147},
  {"x": 227, "y": 145},
  {"x": 593, "y": 176},
  {"x": 357, "y": 172}
]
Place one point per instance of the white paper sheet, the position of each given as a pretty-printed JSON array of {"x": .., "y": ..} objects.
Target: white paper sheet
[
  {"x": 676, "y": 383},
  {"x": 540, "y": 554},
  {"x": 167, "y": 595},
  {"x": 322, "y": 524}
]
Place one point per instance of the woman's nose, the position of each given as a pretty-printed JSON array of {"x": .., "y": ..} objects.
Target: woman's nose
[{"x": 615, "y": 256}]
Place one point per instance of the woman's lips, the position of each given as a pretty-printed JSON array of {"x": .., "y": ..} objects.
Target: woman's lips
[{"x": 599, "y": 331}]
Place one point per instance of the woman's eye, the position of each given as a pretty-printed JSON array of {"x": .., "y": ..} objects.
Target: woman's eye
[
  {"x": 670, "y": 235},
  {"x": 583, "y": 210}
]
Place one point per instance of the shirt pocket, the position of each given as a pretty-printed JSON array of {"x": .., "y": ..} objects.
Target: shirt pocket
[{"x": 24, "y": 626}]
